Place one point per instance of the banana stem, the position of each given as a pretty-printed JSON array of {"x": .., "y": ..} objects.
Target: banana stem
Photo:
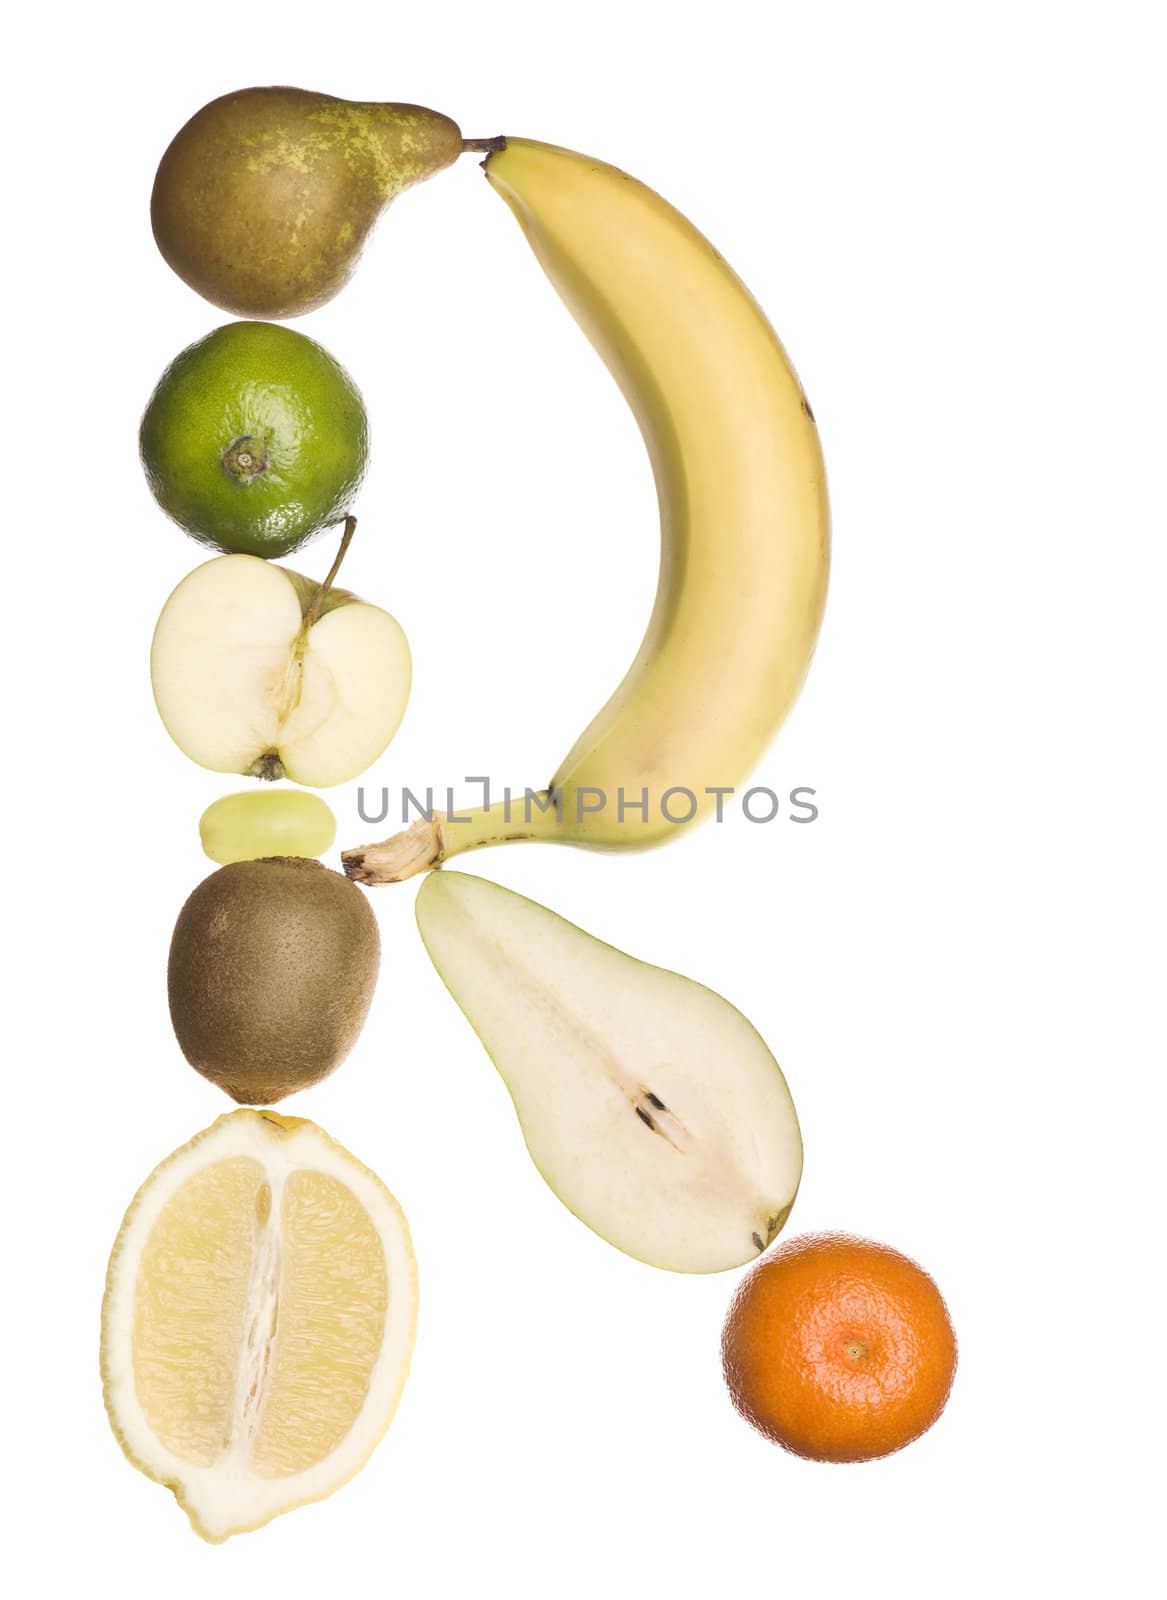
[
  {"x": 432, "y": 840},
  {"x": 312, "y": 615},
  {"x": 485, "y": 147}
]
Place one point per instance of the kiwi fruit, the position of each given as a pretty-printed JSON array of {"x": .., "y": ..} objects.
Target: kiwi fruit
[{"x": 272, "y": 967}]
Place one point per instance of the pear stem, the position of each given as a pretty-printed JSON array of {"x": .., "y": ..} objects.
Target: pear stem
[
  {"x": 312, "y": 615},
  {"x": 486, "y": 147}
]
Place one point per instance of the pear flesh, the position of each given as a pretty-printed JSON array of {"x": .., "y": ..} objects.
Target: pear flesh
[
  {"x": 264, "y": 199},
  {"x": 649, "y": 1104},
  {"x": 245, "y": 685}
]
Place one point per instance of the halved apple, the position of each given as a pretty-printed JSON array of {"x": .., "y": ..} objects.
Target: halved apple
[{"x": 260, "y": 671}]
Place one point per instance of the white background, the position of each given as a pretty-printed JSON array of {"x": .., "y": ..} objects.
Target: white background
[{"x": 951, "y": 214}]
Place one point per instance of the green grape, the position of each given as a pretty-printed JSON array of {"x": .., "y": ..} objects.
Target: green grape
[{"x": 266, "y": 822}]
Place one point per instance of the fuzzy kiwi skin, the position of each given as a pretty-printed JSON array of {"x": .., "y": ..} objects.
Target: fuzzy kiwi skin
[{"x": 272, "y": 968}]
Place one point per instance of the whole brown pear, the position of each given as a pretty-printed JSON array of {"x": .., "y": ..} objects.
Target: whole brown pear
[
  {"x": 272, "y": 967},
  {"x": 264, "y": 200}
]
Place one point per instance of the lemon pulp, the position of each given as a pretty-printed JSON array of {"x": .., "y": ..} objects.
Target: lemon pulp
[{"x": 258, "y": 1322}]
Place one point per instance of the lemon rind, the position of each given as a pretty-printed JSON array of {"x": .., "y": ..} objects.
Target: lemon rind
[{"x": 301, "y": 1145}]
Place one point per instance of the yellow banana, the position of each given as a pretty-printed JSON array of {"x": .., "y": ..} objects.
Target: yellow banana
[{"x": 744, "y": 519}]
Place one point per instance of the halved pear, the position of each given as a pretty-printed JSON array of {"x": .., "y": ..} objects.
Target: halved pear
[
  {"x": 251, "y": 677},
  {"x": 650, "y": 1105}
]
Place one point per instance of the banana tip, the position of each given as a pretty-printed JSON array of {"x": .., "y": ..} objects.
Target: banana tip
[{"x": 353, "y": 862}]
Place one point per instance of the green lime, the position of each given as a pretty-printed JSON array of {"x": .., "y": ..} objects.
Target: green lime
[{"x": 255, "y": 439}]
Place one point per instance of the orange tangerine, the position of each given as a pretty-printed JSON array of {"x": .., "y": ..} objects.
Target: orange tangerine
[{"x": 839, "y": 1349}]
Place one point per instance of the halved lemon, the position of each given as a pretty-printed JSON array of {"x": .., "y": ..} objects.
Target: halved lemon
[{"x": 258, "y": 1321}]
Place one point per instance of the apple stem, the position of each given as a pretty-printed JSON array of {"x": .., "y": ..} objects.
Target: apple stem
[
  {"x": 312, "y": 615},
  {"x": 486, "y": 147}
]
